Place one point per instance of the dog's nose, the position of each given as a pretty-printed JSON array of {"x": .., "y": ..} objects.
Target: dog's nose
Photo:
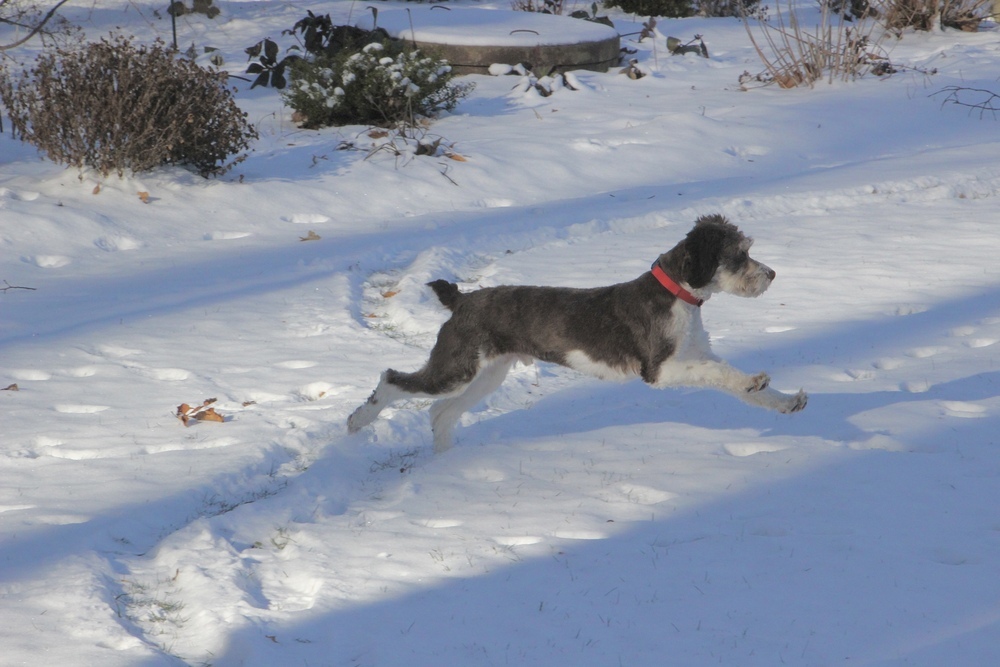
[{"x": 771, "y": 274}]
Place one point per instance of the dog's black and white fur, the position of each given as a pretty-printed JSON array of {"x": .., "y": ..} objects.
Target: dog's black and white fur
[{"x": 637, "y": 328}]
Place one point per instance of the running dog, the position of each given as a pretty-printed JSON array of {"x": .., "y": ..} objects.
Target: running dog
[{"x": 650, "y": 327}]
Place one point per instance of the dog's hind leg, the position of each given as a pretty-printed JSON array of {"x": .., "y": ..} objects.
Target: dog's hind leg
[
  {"x": 448, "y": 372},
  {"x": 384, "y": 394},
  {"x": 446, "y": 412}
]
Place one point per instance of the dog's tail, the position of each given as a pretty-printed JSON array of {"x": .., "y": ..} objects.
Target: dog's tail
[{"x": 446, "y": 292}]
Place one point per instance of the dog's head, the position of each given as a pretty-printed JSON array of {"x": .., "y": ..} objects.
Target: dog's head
[{"x": 715, "y": 257}]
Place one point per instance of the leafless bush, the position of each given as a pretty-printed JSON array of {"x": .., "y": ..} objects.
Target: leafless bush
[
  {"x": 964, "y": 15},
  {"x": 117, "y": 107},
  {"x": 836, "y": 49}
]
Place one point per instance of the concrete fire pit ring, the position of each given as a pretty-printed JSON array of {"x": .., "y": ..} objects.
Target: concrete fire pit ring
[{"x": 472, "y": 39}]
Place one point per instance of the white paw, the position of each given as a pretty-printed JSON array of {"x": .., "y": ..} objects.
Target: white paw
[
  {"x": 759, "y": 382},
  {"x": 796, "y": 402},
  {"x": 363, "y": 416}
]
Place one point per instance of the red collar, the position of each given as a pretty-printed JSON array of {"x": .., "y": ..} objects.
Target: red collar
[{"x": 674, "y": 288}]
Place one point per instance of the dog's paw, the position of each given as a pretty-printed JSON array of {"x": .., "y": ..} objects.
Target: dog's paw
[
  {"x": 759, "y": 382},
  {"x": 353, "y": 423},
  {"x": 796, "y": 402},
  {"x": 363, "y": 416}
]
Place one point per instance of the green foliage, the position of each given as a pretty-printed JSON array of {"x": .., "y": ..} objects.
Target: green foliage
[
  {"x": 318, "y": 37},
  {"x": 383, "y": 83},
  {"x": 117, "y": 107}
]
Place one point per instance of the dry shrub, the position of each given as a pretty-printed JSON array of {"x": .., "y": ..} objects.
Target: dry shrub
[
  {"x": 117, "y": 107},
  {"x": 835, "y": 49},
  {"x": 965, "y": 15}
]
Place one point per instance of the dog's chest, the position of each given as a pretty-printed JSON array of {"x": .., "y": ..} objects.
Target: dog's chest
[{"x": 686, "y": 331}]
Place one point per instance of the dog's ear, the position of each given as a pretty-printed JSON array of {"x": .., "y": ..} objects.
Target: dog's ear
[{"x": 702, "y": 251}]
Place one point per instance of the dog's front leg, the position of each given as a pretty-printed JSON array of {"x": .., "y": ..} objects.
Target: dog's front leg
[
  {"x": 713, "y": 373},
  {"x": 775, "y": 400},
  {"x": 717, "y": 374}
]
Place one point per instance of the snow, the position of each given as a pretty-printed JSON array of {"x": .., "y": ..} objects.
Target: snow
[
  {"x": 576, "y": 522},
  {"x": 474, "y": 26}
]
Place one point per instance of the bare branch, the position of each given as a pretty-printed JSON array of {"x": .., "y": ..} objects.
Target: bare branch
[
  {"x": 36, "y": 28},
  {"x": 9, "y": 287},
  {"x": 989, "y": 102}
]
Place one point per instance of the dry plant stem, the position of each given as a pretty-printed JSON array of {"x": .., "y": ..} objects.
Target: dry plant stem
[{"x": 793, "y": 56}]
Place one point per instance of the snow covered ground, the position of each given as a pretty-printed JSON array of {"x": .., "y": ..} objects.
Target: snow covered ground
[{"x": 576, "y": 522}]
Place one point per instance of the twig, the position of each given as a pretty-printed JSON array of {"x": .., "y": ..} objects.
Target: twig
[
  {"x": 9, "y": 287},
  {"x": 444, "y": 172},
  {"x": 37, "y": 28},
  {"x": 986, "y": 106}
]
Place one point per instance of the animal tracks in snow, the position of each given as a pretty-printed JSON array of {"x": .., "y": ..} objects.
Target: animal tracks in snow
[
  {"x": 908, "y": 369},
  {"x": 48, "y": 261},
  {"x": 307, "y": 219},
  {"x": 741, "y": 449}
]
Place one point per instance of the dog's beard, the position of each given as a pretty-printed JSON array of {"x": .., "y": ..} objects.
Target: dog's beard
[{"x": 750, "y": 283}]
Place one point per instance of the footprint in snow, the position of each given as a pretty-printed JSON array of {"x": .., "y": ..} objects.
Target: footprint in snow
[
  {"x": 117, "y": 351},
  {"x": 80, "y": 409},
  {"x": 81, "y": 372},
  {"x": 963, "y": 409},
  {"x": 888, "y": 363},
  {"x": 225, "y": 236},
  {"x": 916, "y": 386},
  {"x": 925, "y": 352},
  {"x": 645, "y": 495},
  {"x": 307, "y": 219},
  {"x": 165, "y": 374},
  {"x": 116, "y": 243},
  {"x": 295, "y": 364},
  {"x": 48, "y": 261},
  {"x": 581, "y": 535},
  {"x": 26, "y": 195},
  {"x": 517, "y": 540},
  {"x": 30, "y": 375},
  {"x": 742, "y": 449},
  {"x": 439, "y": 523}
]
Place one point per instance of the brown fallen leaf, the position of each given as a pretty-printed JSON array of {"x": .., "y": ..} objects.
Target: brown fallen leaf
[
  {"x": 144, "y": 197},
  {"x": 311, "y": 236},
  {"x": 202, "y": 412},
  {"x": 456, "y": 157},
  {"x": 209, "y": 415},
  {"x": 97, "y": 189},
  {"x": 12, "y": 387},
  {"x": 389, "y": 294}
]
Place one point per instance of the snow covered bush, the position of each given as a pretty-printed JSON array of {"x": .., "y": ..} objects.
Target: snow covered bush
[
  {"x": 381, "y": 84},
  {"x": 117, "y": 107}
]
